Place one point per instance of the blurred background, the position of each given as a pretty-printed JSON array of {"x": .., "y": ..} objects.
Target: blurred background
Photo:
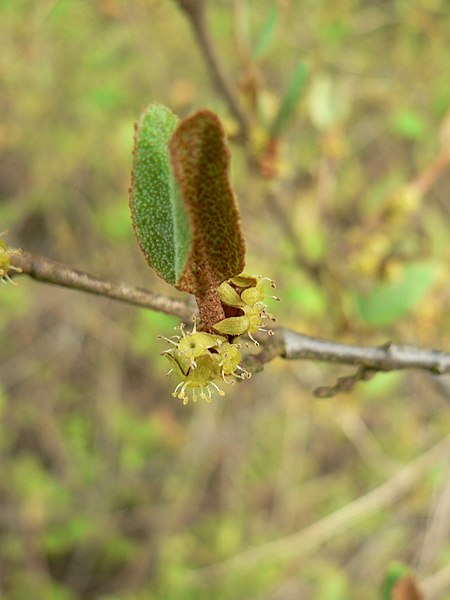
[{"x": 111, "y": 489}]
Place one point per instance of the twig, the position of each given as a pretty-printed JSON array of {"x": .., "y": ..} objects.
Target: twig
[
  {"x": 345, "y": 383},
  {"x": 437, "y": 584},
  {"x": 195, "y": 13},
  {"x": 286, "y": 344},
  {"x": 306, "y": 540}
]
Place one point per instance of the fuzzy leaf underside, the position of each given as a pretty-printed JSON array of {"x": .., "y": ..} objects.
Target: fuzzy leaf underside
[
  {"x": 200, "y": 161},
  {"x": 159, "y": 219}
]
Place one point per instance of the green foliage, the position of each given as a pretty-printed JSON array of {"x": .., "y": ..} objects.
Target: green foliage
[
  {"x": 290, "y": 100},
  {"x": 389, "y": 301},
  {"x": 267, "y": 33},
  {"x": 409, "y": 125},
  {"x": 395, "y": 573},
  {"x": 159, "y": 219}
]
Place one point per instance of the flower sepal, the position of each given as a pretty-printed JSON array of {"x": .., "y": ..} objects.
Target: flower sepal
[{"x": 5, "y": 261}]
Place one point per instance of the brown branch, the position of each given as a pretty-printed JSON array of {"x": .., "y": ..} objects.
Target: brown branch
[
  {"x": 195, "y": 13},
  {"x": 286, "y": 344},
  {"x": 48, "y": 271},
  {"x": 313, "y": 537}
]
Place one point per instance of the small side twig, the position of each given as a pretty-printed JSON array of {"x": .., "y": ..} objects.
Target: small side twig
[
  {"x": 195, "y": 13},
  {"x": 345, "y": 383}
]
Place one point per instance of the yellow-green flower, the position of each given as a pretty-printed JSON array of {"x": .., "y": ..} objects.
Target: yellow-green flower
[
  {"x": 201, "y": 359},
  {"x": 229, "y": 358},
  {"x": 5, "y": 261},
  {"x": 198, "y": 379},
  {"x": 246, "y": 293}
]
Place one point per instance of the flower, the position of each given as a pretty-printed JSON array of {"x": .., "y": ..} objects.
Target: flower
[
  {"x": 199, "y": 378},
  {"x": 229, "y": 358},
  {"x": 247, "y": 293},
  {"x": 200, "y": 360},
  {"x": 5, "y": 261}
]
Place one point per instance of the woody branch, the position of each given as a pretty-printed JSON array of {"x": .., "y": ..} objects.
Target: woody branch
[{"x": 287, "y": 344}]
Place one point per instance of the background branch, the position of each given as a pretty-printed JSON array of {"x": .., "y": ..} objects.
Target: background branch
[
  {"x": 287, "y": 344},
  {"x": 195, "y": 13},
  {"x": 337, "y": 523}
]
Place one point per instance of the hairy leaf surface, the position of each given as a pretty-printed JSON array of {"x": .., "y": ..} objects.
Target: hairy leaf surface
[
  {"x": 160, "y": 221},
  {"x": 200, "y": 160}
]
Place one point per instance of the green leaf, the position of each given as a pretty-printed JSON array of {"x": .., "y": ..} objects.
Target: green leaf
[
  {"x": 267, "y": 33},
  {"x": 399, "y": 584},
  {"x": 159, "y": 218},
  {"x": 391, "y": 300},
  {"x": 395, "y": 572},
  {"x": 200, "y": 160},
  {"x": 409, "y": 125},
  {"x": 290, "y": 99}
]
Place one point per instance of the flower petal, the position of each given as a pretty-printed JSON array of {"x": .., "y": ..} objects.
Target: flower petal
[{"x": 233, "y": 325}]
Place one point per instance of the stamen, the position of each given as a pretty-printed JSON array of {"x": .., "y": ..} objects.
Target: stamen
[
  {"x": 161, "y": 337},
  {"x": 253, "y": 339},
  {"x": 221, "y": 392},
  {"x": 194, "y": 320},
  {"x": 175, "y": 391}
]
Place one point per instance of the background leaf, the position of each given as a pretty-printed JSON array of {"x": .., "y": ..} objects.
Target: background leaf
[
  {"x": 399, "y": 584},
  {"x": 266, "y": 34},
  {"x": 289, "y": 101},
  {"x": 395, "y": 572},
  {"x": 391, "y": 300},
  {"x": 159, "y": 219}
]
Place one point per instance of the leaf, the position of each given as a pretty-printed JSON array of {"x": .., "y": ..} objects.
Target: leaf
[
  {"x": 395, "y": 572},
  {"x": 328, "y": 101},
  {"x": 391, "y": 300},
  {"x": 399, "y": 584},
  {"x": 159, "y": 218},
  {"x": 289, "y": 102},
  {"x": 409, "y": 124},
  {"x": 200, "y": 160},
  {"x": 267, "y": 33}
]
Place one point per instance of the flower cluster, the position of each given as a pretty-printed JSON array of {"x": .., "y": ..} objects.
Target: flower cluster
[
  {"x": 201, "y": 360},
  {"x": 5, "y": 261},
  {"x": 247, "y": 294}
]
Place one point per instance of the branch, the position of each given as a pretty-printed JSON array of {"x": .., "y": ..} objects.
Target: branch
[
  {"x": 388, "y": 357},
  {"x": 317, "y": 534},
  {"x": 195, "y": 13},
  {"x": 286, "y": 344},
  {"x": 48, "y": 271}
]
